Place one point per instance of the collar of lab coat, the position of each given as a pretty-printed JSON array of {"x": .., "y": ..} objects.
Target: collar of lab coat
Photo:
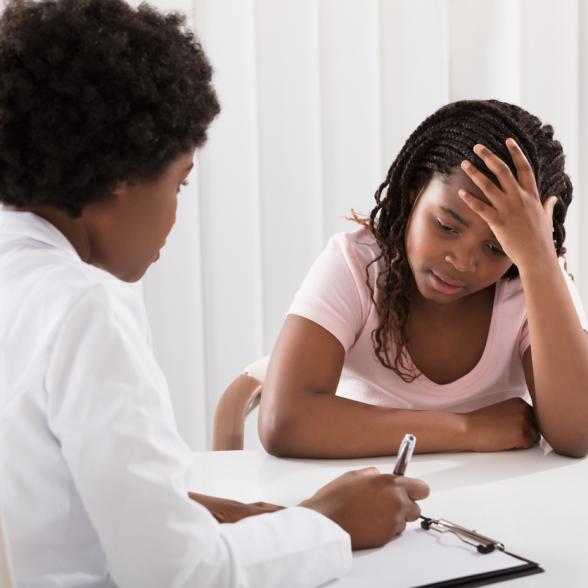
[{"x": 18, "y": 224}]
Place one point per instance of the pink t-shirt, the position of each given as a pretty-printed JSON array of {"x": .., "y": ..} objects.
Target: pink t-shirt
[{"x": 335, "y": 295}]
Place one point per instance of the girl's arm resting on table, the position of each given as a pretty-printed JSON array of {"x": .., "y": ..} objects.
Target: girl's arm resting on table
[
  {"x": 301, "y": 416},
  {"x": 556, "y": 363}
]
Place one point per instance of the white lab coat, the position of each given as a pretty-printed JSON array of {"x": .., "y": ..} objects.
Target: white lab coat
[{"x": 93, "y": 474}]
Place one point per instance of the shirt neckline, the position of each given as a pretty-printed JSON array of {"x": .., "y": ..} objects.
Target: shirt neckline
[{"x": 481, "y": 367}]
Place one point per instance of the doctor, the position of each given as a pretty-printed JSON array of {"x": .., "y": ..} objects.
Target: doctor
[{"x": 102, "y": 107}]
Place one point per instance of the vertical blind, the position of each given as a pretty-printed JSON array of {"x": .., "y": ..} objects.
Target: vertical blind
[{"x": 317, "y": 98}]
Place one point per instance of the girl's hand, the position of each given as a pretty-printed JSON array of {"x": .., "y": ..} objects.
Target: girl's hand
[
  {"x": 514, "y": 213},
  {"x": 231, "y": 511},
  {"x": 509, "y": 424}
]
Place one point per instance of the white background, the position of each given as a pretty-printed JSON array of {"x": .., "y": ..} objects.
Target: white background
[{"x": 317, "y": 97}]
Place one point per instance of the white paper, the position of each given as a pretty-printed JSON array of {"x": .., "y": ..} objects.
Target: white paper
[{"x": 419, "y": 557}]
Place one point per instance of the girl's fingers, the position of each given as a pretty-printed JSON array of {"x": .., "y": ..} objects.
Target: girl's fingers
[
  {"x": 498, "y": 167},
  {"x": 486, "y": 185},
  {"x": 525, "y": 174},
  {"x": 485, "y": 211}
]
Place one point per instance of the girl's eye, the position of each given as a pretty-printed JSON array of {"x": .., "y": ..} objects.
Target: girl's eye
[
  {"x": 445, "y": 228},
  {"x": 496, "y": 250}
]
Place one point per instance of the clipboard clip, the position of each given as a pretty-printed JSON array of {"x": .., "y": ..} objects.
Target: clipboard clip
[{"x": 482, "y": 543}]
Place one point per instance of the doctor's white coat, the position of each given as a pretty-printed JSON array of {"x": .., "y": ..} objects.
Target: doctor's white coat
[{"x": 93, "y": 474}]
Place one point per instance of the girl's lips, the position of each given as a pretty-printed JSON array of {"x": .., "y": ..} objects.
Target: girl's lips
[{"x": 442, "y": 286}]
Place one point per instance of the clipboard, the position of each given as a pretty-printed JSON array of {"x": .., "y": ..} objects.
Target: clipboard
[
  {"x": 521, "y": 566},
  {"x": 436, "y": 553}
]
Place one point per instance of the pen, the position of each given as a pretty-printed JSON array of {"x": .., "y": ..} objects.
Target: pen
[{"x": 404, "y": 454}]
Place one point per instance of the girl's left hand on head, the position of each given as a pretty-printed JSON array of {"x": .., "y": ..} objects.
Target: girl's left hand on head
[{"x": 521, "y": 223}]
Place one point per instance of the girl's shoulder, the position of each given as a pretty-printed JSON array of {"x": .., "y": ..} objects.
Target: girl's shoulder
[
  {"x": 359, "y": 247},
  {"x": 509, "y": 308},
  {"x": 361, "y": 237},
  {"x": 510, "y": 291}
]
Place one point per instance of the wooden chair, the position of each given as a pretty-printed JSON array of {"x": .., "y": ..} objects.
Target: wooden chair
[
  {"x": 236, "y": 402},
  {"x": 6, "y": 575}
]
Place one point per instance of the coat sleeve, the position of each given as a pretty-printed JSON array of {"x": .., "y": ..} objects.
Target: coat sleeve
[{"x": 110, "y": 412}]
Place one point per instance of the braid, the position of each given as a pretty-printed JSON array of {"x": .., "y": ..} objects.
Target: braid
[{"x": 441, "y": 142}]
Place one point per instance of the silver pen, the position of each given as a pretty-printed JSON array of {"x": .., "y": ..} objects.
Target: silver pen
[{"x": 404, "y": 454}]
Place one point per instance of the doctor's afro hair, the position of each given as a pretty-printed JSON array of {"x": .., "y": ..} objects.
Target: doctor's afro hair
[{"x": 94, "y": 92}]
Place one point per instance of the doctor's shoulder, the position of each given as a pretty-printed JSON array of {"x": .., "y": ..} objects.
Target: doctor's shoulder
[{"x": 81, "y": 289}]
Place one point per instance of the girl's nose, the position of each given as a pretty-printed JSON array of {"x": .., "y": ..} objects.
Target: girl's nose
[{"x": 462, "y": 261}]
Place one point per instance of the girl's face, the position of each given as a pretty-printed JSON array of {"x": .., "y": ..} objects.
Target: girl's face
[
  {"x": 128, "y": 229},
  {"x": 451, "y": 251}
]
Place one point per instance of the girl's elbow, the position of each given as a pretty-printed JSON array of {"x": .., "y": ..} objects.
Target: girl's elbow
[
  {"x": 273, "y": 433},
  {"x": 272, "y": 441},
  {"x": 576, "y": 447},
  {"x": 575, "y": 453}
]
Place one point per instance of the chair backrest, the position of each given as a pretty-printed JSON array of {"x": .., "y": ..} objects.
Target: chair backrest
[
  {"x": 6, "y": 574},
  {"x": 236, "y": 402}
]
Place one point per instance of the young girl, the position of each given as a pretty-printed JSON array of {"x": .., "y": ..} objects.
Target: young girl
[
  {"x": 439, "y": 315},
  {"x": 101, "y": 109}
]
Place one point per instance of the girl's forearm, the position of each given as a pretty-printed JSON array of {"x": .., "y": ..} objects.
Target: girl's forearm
[
  {"x": 559, "y": 351},
  {"x": 328, "y": 426}
]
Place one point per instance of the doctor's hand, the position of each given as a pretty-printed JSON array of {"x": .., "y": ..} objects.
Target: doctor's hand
[
  {"x": 231, "y": 511},
  {"x": 372, "y": 507}
]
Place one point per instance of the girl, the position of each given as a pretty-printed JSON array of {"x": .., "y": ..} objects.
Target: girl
[
  {"x": 439, "y": 315},
  {"x": 101, "y": 109}
]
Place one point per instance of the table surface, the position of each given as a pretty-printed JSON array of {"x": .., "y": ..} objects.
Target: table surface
[{"x": 535, "y": 502}]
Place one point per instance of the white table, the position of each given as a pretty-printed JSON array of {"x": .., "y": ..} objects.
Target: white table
[{"x": 536, "y": 504}]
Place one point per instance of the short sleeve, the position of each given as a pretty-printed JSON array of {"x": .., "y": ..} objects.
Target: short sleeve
[
  {"x": 334, "y": 293},
  {"x": 524, "y": 340}
]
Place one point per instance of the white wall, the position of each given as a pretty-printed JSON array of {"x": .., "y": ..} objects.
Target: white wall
[{"x": 317, "y": 97}]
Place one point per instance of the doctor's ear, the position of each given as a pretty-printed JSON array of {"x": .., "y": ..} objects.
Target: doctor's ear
[{"x": 122, "y": 189}]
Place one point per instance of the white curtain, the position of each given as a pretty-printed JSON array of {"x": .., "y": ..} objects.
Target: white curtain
[{"x": 317, "y": 98}]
